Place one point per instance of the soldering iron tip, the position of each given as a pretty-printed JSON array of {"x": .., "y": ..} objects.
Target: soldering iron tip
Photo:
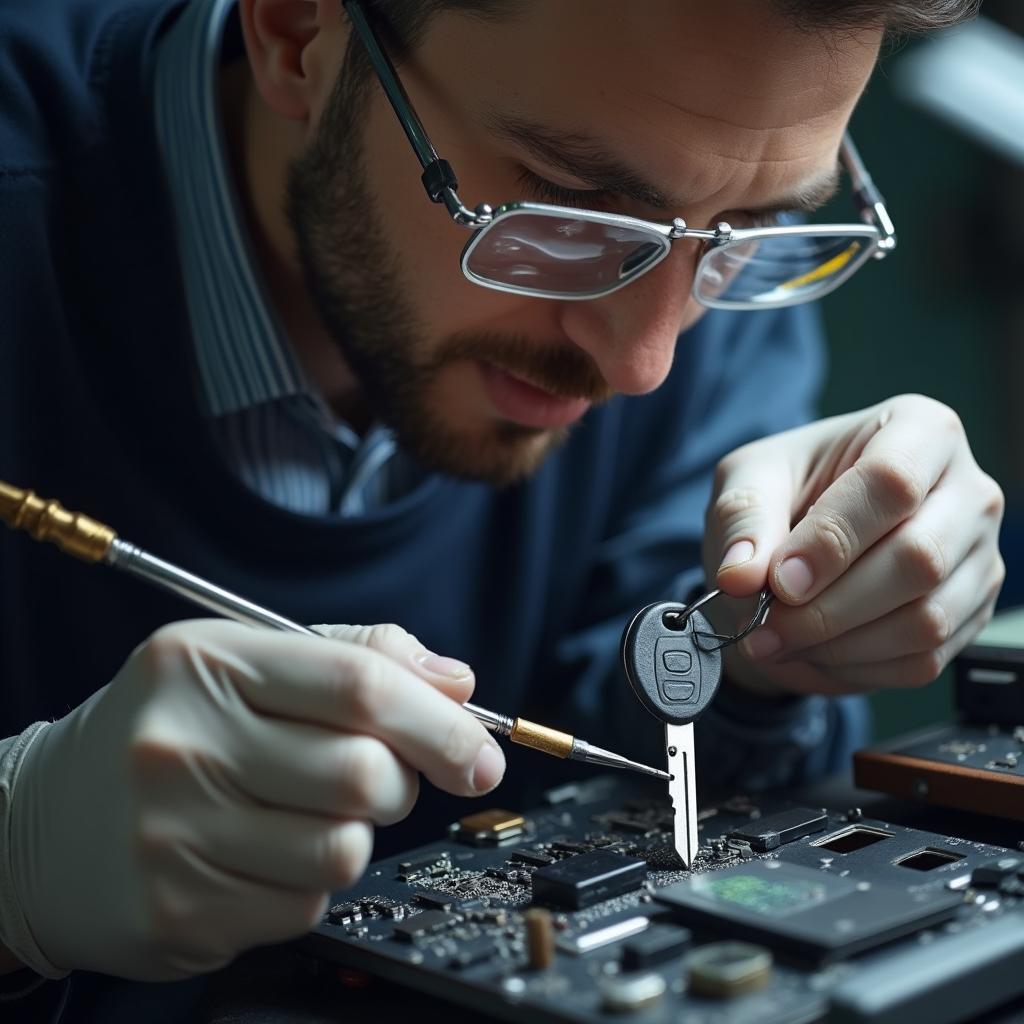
[{"x": 583, "y": 751}]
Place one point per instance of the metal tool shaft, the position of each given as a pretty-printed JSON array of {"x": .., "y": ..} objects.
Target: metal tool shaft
[{"x": 134, "y": 560}]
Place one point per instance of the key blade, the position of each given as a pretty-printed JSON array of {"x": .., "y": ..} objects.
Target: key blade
[{"x": 682, "y": 791}]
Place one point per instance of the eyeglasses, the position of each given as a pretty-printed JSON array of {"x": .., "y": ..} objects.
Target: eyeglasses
[{"x": 561, "y": 252}]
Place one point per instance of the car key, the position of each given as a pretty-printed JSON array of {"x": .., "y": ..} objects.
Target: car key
[{"x": 674, "y": 679}]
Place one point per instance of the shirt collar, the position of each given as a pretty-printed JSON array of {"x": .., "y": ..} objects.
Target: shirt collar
[{"x": 242, "y": 353}]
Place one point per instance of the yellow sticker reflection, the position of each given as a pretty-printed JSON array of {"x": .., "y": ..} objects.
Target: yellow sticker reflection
[{"x": 827, "y": 269}]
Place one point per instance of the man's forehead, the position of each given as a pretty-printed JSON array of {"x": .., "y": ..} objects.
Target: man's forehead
[
  {"x": 692, "y": 96},
  {"x": 594, "y": 162}
]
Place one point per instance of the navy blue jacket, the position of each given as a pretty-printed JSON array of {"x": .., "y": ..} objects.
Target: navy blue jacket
[{"x": 531, "y": 584}]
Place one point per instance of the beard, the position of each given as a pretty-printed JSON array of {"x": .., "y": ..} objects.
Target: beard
[{"x": 355, "y": 283}]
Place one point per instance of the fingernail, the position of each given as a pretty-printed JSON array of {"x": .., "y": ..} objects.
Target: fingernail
[
  {"x": 795, "y": 577},
  {"x": 450, "y": 668},
  {"x": 489, "y": 767},
  {"x": 762, "y": 643},
  {"x": 740, "y": 552}
]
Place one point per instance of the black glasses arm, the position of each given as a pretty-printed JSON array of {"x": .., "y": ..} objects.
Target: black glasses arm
[
  {"x": 870, "y": 199},
  {"x": 438, "y": 177}
]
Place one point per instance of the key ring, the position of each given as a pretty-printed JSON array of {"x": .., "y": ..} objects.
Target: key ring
[{"x": 764, "y": 604}]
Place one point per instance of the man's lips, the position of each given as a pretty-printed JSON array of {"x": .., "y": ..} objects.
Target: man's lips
[{"x": 524, "y": 403}]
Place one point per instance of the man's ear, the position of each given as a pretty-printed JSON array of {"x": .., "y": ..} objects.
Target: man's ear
[{"x": 281, "y": 38}]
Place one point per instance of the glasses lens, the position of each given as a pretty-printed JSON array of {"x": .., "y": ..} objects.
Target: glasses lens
[
  {"x": 560, "y": 255},
  {"x": 779, "y": 270}
]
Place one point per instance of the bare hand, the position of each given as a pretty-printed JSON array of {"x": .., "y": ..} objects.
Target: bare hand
[{"x": 892, "y": 566}]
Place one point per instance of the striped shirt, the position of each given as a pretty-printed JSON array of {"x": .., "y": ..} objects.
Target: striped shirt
[{"x": 275, "y": 429}]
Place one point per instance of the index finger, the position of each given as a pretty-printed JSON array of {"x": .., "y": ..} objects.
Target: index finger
[
  {"x": 890, "y": 479},
  {"x": 352, "y": 688}
]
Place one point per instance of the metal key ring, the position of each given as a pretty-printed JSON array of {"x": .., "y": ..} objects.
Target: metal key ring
[{"x": 764, "y": 604}]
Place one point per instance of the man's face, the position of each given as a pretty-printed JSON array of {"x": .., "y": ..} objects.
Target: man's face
[{"x": 724, "y": 108}]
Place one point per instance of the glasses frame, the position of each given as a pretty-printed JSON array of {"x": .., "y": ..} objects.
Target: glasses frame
[{"x": 441, "y": 186}]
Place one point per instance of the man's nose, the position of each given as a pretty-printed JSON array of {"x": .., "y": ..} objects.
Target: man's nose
[{"x": 631, "y": 334}]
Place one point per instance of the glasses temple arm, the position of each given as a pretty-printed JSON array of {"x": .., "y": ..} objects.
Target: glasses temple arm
[
  {"x": 868, "y": 196},
  {"x": 438, "y": 178}
]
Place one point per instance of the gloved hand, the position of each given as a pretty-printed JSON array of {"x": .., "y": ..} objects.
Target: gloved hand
[
  {"x": 878, "y": 533},
  {"x": 207, "y": 799}
]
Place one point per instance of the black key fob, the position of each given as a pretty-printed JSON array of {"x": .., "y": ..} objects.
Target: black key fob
[{"x": 671, "y": 675}]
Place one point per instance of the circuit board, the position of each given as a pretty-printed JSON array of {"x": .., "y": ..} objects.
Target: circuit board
[
  {"x": 579, "y": 911},
  {"x": 963, "y": 765}
]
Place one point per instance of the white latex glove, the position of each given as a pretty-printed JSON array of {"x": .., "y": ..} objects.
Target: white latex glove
[
  {"x": 878, "y": 533},
  {"x": 207, "y": 799}
]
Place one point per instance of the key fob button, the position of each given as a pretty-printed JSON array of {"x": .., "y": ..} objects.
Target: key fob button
[
  {"x": 677, "y": 662},
  {"x": 678, "y": 691},
  {"x": 676, "y": 669}
]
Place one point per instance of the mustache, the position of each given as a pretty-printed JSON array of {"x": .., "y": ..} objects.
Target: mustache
[{"x": 563, "y": 370}]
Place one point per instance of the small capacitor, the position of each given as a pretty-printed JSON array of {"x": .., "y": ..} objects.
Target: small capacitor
[
  {"x": 723, "y": 970},
  {"x": 540, "y": 938}
]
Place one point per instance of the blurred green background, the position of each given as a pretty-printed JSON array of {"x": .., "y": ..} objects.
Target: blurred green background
[{"x": 944, "y": 315}]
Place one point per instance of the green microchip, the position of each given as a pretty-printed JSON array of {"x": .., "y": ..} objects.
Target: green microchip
[{"x": 757, "y": 894}]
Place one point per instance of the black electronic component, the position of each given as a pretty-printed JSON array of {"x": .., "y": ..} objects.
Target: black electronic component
[
  {"x": 427, "y": 922},
  {"x": 811, "y": 914},
  {"x": 532, "y": 857},
  {"x": 502, "y": 875},
  {"x": 588, "y": 878},
  {"x": 344, "y": 913},
  {"x": 627, "y": 823},
  {"x": 659, "y": 943},
  {"x": 566, "y": 847},
  {"x": 434, "y": 900},
  {"x": 383, "y": 906},
  {"x": 779, "y": 829},
  {"x": 993, "y": 872},
  {"x": 418, "y": 865},
  {"x": 724, "y": 970},
  {"x": 990, "y": 681}
]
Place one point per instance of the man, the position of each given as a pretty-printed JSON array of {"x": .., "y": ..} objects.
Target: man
[{"x": 261, "y": 358}]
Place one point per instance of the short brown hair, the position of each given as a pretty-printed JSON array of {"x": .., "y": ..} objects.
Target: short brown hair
[{"x": 404, "y": 21}]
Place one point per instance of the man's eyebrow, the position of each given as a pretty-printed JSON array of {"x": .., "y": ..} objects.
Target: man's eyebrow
[
  {"x": 586, "y": 159},
  {"x": 581, "y": 156},
  {"x": 808, "y": 198}
]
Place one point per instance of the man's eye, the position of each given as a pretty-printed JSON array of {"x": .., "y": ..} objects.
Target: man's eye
[{"x": 547, "y": 191}]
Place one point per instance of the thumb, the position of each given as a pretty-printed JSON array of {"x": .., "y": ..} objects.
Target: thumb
[
  {"x": 747, "y": 520},
  {"x": 453, "y": 678}
]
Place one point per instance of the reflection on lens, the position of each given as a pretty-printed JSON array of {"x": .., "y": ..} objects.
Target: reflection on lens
[
  {"x": 636, "y": 262},
  {"x": 560, "y": 255},
  {"x": 826, "y": 270},
  {"x": 779, "y": 270}
]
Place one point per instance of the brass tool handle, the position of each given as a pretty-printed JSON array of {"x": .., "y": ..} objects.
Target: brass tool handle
[
  {"x": 540, "y": 737},
  {"x": 43, "y": 520}
]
